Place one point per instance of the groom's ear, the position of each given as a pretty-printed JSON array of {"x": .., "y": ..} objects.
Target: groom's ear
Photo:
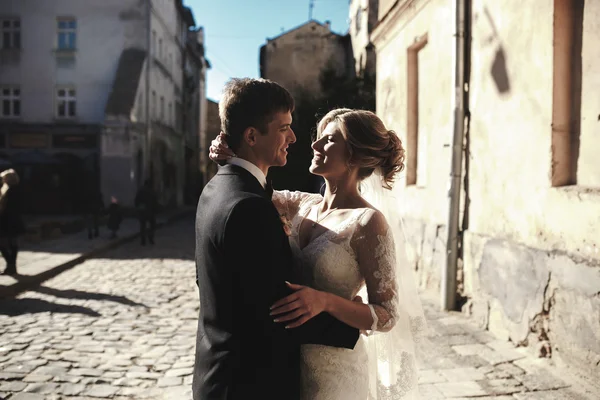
[{"x": 250, "y": 135}]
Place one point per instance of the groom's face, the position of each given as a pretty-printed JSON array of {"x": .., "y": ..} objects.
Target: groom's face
[{"x": 272, "y": 147}]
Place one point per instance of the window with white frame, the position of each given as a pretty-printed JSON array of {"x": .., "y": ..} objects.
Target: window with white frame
[
  {"x": 11, "y": 33},
  {"x": 10, "y": 98},
  {"x": 66, "y": 33},
  {"x": 66, "y": 102}
]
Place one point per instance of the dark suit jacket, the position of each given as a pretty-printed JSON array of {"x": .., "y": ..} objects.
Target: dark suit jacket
[{"x": 243, "y": 259}]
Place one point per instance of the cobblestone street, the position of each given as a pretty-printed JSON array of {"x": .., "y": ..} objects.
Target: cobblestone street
[{"x": 123, "y": 326}]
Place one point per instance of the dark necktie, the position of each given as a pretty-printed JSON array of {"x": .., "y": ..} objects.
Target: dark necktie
[{"x": 269, "y": 189}]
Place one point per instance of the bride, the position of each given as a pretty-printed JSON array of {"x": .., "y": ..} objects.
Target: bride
[{"x": 349, "y": 243}]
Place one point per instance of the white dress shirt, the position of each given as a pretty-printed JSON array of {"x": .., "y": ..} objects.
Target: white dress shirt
[{"x": 248, "y": 166}]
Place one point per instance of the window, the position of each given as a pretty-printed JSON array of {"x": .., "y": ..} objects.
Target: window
[
  {"x": 66, "y": 102},
  {"x": 10, "y": 97},
  {"x": 162, "y": 108},
  {"x": 415, "y": 143},
  {"x": 11, "y": 33},
  {"x": 153, "y": 104},
  {"x": 358, "y": 19},
  {"x": 67, "y": 33},
  {"x": 160, "y": 49},
  {"x": 170, "y": 114}
]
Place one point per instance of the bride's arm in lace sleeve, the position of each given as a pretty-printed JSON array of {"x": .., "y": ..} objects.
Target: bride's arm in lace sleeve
[{"x": 373, "y": 245}]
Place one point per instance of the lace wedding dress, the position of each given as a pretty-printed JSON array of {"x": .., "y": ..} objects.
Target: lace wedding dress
[{"x": 374, "y": 369}]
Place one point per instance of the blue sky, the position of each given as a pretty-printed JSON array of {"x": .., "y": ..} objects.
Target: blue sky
[{"x": 235, "y": 29}]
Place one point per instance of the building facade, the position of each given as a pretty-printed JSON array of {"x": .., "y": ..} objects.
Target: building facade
[
  {"x": 195, "y": 105},
  {"x": 213, "y": 128},
  {"x": 530, "y": 196},
  {"x": 363, "y": 19},
  {"x": 296, "y": 58},
  {"x": 98, "y": 86}
]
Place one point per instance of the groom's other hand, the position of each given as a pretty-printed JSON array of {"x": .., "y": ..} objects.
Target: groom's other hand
[{"x": 219, "y": 151}]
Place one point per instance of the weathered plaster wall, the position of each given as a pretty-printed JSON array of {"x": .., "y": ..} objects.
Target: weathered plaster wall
[
  {"x": 531, "y": 257},
  {"x": 532, "y": 251},
  {"x": 588, "y": 169}
]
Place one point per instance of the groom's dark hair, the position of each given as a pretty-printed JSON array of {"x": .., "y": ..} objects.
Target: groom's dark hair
[{"x": 251, "y": 102}]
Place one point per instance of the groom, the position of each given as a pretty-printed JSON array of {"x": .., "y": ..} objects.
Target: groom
[{"x": 243, "y": 259}]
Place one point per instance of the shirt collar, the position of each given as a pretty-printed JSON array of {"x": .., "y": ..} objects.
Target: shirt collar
[{"x": 248, "y": 166}]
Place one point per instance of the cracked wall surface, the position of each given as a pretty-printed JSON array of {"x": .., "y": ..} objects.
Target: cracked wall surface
[{"x": 537, "y": 298}]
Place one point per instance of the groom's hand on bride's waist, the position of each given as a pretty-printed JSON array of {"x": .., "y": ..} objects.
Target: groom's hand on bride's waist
[{"x": 300, "y": 306}]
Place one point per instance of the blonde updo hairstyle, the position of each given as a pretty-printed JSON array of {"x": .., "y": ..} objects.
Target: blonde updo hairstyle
[{"x": 370, "y": 144}]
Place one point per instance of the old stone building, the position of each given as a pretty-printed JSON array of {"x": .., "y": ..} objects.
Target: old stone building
[
  {"x": 530, "y": 196},
  {"x": 98, "y": 85},
  {"x": 296, "y": 58}
]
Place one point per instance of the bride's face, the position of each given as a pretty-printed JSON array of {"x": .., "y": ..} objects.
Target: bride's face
[{"x": 330, "y": 159}]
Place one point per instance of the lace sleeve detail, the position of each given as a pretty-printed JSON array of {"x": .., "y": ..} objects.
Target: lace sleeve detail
[
  {"x": 288, "y": 203},
  {"x": 373, "y": 243}
]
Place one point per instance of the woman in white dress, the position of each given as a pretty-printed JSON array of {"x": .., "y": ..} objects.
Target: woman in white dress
[{"x": 346, "y": 247}]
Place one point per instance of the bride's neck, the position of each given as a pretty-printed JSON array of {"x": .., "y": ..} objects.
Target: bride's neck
[{"x": 340, "y": 193}]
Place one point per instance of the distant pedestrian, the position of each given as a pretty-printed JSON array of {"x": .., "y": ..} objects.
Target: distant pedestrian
[
  {"x": 146, "y": 205},
  {"x": 11, "y": 220},
  {"x": 93, "y": 207},
  {"x": 115, "y": 216}
]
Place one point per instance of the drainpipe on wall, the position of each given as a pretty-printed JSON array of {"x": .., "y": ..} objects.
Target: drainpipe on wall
[
  {"x": 148, "y": 156},
  {"x": 463, "y": 37}
]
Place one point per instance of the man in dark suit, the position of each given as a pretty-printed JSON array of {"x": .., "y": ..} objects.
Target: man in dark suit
[{"x": 243, "y": 259}]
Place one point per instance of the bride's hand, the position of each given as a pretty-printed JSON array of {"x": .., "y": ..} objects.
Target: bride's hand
[
  {"x": 219, "y": 152},
  {"x": 300, "y": 306}
]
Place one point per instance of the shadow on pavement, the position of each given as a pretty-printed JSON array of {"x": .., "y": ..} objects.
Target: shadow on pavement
[
  {"x": 176, "y": 242},
  {"x": 14, "y": 307},
  {"x": 78, "y": 294},
  {"x": 173, "y": 241}
]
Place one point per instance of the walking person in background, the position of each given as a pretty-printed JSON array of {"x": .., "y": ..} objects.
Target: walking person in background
[
  {"x": 93, "y": 208},
  {"x": 146, "y": 205},
  {"x": 11, "y": 221},
  {"x": 115, "y": 216}
]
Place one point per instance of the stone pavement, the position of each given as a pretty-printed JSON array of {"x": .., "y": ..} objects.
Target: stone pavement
[
  {"x": 122, "y": 326},
  {"x": 40, "y": 261}
]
